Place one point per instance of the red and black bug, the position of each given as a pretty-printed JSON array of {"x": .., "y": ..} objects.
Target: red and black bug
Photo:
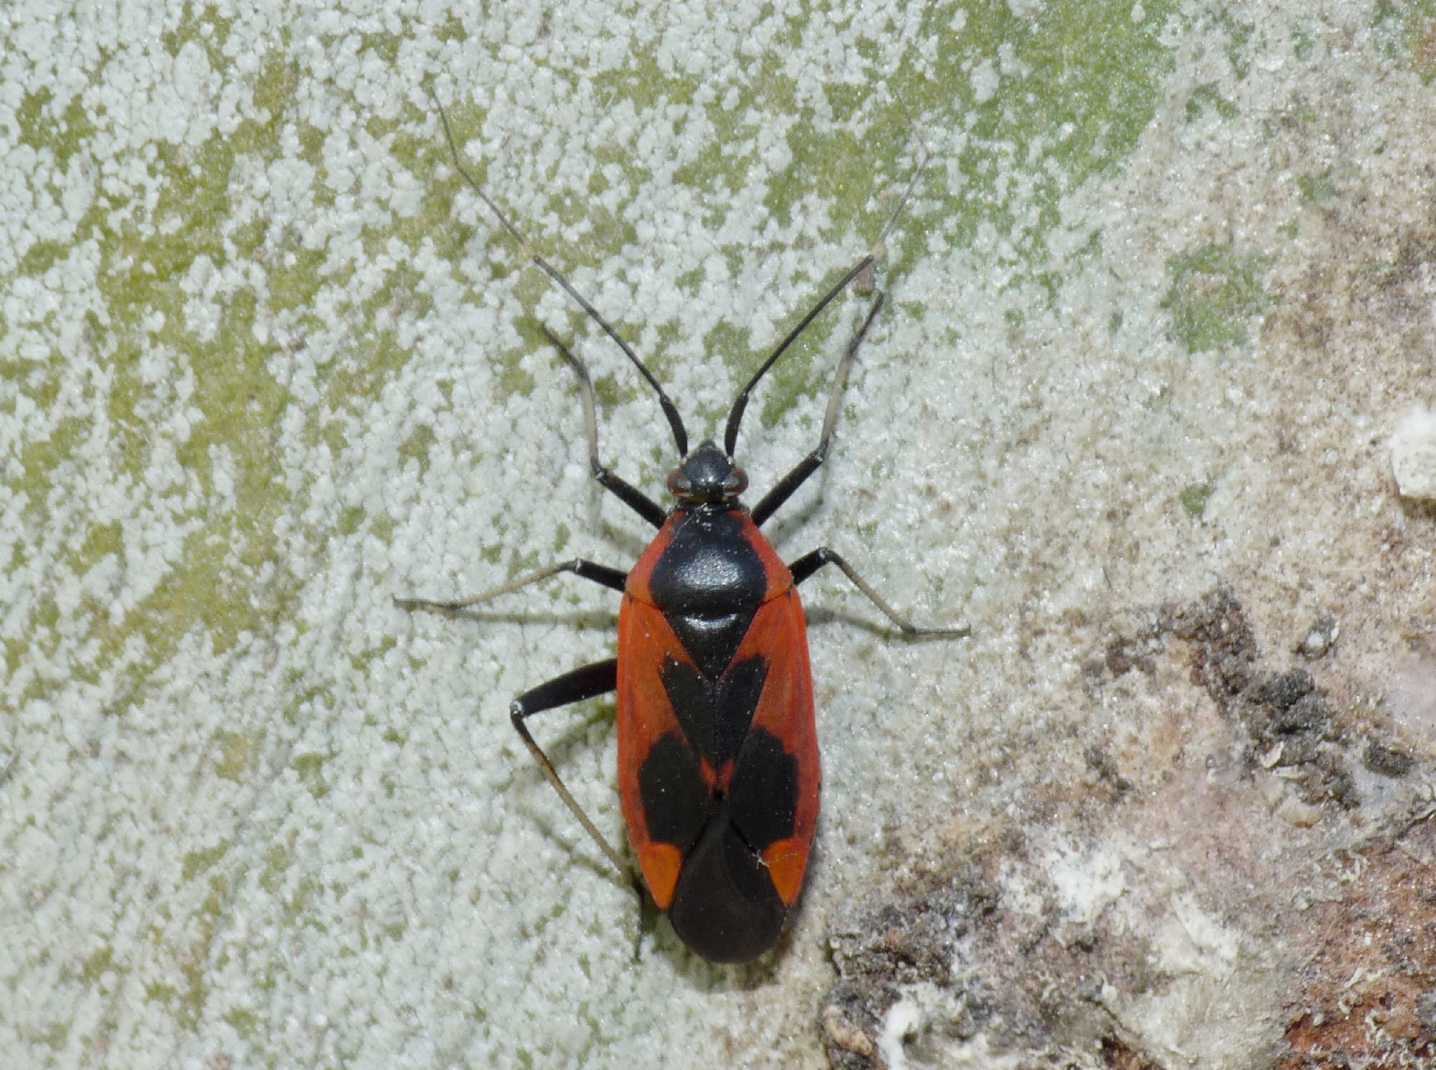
[{"x": 718, "y": 764}]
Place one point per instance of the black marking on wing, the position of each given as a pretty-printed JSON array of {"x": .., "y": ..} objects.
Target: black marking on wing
[
  {"x": 725, "y": 906},
  {"x": 715, "y": 714},
  {"x": 675, "y": 799},
  {"x": 763, "y": 800}
]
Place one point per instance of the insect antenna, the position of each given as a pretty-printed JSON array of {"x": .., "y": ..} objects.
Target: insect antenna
[
  {"x": 740, "y": 403},
  {"x": 675, "y": 422}
]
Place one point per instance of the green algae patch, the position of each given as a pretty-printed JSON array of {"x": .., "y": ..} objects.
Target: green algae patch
[
  {"x": 1194, "y": 498},
  {"x": 1213, "y": 294},
  {"x": 97, "y": 965},
  {"x": 1207, "y": 97},
  {"x": 197, "y": 862},
  {"x": 1406, "y": 31},
  {"x": 1317, "y": 189},
  {"x": 1049, "y": 102},
  {"x": 310, "y": 768},
  {"x": 236, "y": 754}
]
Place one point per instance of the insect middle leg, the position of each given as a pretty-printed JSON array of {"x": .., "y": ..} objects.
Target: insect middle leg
[
  {"x": 806, "y": 565},
  {"x": 608, "y": 577},
  {"x": 809, "y": 464}
]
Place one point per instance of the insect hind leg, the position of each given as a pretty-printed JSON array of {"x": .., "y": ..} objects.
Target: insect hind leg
[{"x": 590, "y": 681}]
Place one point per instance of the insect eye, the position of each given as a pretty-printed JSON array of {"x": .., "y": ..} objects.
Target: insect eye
[
  {"x": 678, "y": 484},
  {"x": 737, "y": 481}
]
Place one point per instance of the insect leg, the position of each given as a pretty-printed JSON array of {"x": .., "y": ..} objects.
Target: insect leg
[
  {"x": 608, "y": 577},
  {"x": 862, "y": 271},
  {"x": 809, "y": 464},
  {"x": 587, "y": 682},
  {"x": 806, "y": 565},
  {"x": 740, "y": 403},
  {"x": 626, "y": 492}
]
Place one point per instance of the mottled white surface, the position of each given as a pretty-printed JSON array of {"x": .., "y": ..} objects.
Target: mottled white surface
[
  {"x": 1413, "y": 454},
  {"x": 1157, "y": 304}
]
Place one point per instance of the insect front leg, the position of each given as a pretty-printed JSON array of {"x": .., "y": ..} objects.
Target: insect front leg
[
  {"x": 626, "y": 492},
  {"x": 809, "y": 464},
  {"x": 806, "y": 565}
]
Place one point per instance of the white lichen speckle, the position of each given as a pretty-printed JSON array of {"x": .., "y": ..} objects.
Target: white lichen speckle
[{"x": 1413, "y": 454}]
